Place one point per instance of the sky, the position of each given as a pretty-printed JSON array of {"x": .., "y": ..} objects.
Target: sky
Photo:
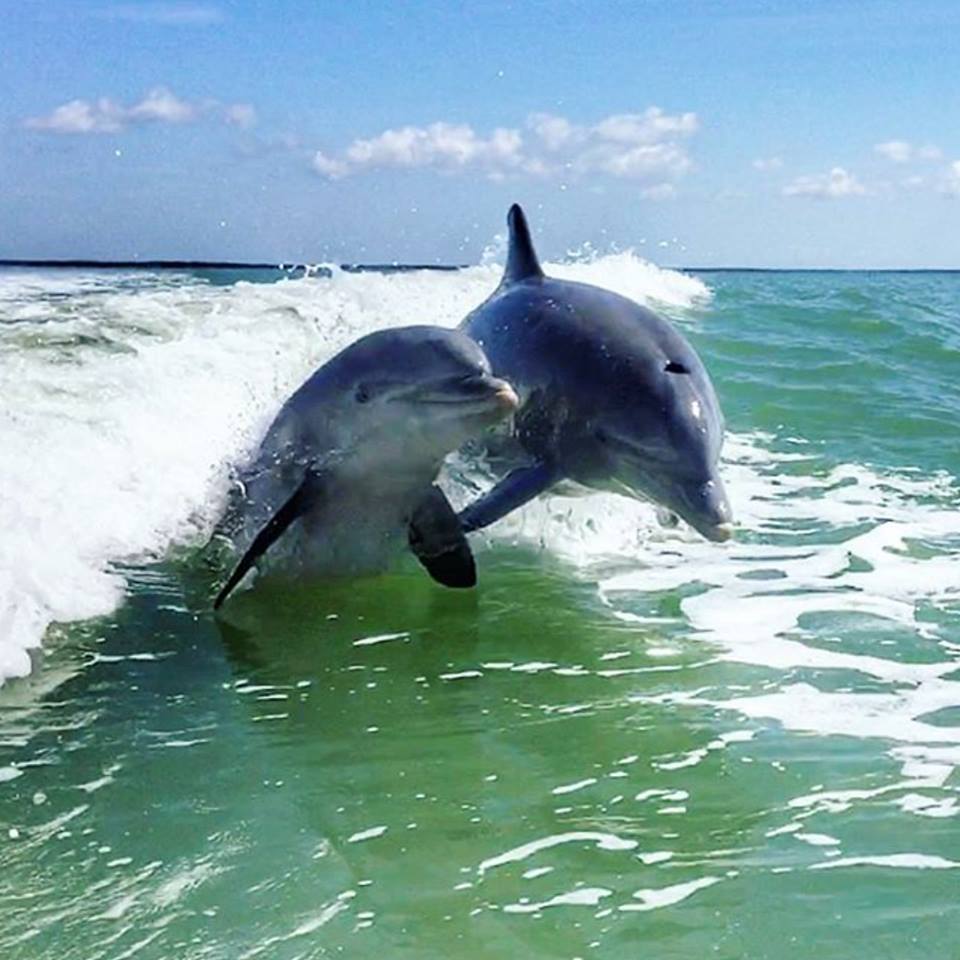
[{"x": 696, "y": 132}]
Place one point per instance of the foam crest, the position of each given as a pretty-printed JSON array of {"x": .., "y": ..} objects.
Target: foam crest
[
  {"x": 624, "y": 271},
  {"x": 119, "y": 452},
  {"x": 129, "y": 395},
  {"x": 633, "y": 277}
]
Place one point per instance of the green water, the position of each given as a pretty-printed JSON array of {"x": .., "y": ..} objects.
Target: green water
[{"x": 580, "y": 759}]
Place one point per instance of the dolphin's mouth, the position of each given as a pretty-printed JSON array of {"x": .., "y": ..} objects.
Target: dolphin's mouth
[
  {"x": 702, "y": 504},
  {"x": 719, "y": 533},
  {"x": 705, "y": 507},
  {"x": 480, "y": 393}
]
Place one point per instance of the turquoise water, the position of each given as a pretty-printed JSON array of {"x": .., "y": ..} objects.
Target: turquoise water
[{"x": 625, "y": 743}]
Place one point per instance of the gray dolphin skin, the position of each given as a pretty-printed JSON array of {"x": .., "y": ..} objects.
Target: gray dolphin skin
[
  {"x": 612, "y": 396},
  {"x": 345, "y": 474}
]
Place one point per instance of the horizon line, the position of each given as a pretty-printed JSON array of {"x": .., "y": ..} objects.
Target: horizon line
[{"x": 396, "y": 266}]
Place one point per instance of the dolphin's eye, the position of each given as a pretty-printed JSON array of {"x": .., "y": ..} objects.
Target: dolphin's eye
[
  {"x": 362, "y": 393},
  {"x": 674, "y": 366}
]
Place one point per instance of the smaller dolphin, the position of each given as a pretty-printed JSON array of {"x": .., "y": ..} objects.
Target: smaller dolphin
[
  {"x": 353, "y": 455},
  {"x": 612, "y": 396}
]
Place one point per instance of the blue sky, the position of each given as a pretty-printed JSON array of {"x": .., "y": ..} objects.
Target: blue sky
[{"x": 703, "y": 133}]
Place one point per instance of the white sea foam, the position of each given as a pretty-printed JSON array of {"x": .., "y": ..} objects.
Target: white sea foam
[
  {"x": 605, "y": 841},
  {"x": 126, "y": 398},
  {"x": 581, "y": 897},
  {"x": 126, "y": 402},
  {"x": 900, "y": 861},
  {"x": 668, "y": 896},
  {"x": 634, "y": 278},
  {"x": 368, "y": 834},
  {"x": 757, "y": 602}
]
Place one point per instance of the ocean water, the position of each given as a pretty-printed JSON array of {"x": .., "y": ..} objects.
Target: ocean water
[{"x": 627, "y": 742}]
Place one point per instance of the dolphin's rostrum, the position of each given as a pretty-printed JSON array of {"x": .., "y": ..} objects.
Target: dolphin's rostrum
[
  {"x": 345, "y": 475},
  {"x": 612, "y": 396}
]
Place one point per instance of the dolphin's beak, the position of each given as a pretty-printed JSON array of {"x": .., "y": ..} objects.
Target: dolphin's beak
[
  {"x": 484, "y": 386},
  {"x": 482, "y": 390},
  {"x": 706, "y": 508},
  {"x": 497, "y": 398},
  {"x": 703, "y": 504},
  {"x": 504, "y": 394},
  {"x": 721, "y": 533}
]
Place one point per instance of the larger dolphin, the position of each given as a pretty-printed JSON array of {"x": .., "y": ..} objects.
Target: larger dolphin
[
  {"x": 612, "y": 396},
  {"x": 345, "y": 474}
]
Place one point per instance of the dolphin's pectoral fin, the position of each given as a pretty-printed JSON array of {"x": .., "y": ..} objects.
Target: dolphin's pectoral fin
[
  {"x": 514, "y": 490},
  {"x": 439, "y": 543},
  {"x": 306, "y": 496}
]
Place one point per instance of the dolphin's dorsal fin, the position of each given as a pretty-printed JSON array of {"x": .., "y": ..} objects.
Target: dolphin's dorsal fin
[{"x": 522, "y": 262}]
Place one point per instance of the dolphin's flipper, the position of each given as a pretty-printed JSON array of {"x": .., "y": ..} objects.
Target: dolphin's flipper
[
  {"x": 306, "y": 496},
  {"x": 522, "y": 262},
  {"x": 514, "y": 490},
  {"x": 439, "y": 543}
]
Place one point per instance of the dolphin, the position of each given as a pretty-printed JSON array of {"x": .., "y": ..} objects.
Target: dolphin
[
  {"x": 350, "y": 461},
  {"x": 612, "y": 396}
]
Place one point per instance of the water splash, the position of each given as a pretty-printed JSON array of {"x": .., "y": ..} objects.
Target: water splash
[{"x": 128, "y": 396}]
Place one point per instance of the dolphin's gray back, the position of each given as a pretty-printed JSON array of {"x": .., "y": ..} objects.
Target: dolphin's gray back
[{"x": 539, "y": 331}]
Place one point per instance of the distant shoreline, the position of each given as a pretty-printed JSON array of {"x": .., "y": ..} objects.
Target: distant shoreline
[
  {"x": 220, "y": 265},
  {"x": 324, "y": 270}
]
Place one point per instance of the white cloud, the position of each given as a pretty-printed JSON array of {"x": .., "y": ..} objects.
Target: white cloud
[
  {"x": 837, "y": 183},
  {"x": 166, "y": 14},
  {"x": 440, "y": 144},
  {"x": 645, "y": 146},
  {"x": 80, "y": 116},
  {"x": 902, "y": 151},
  {"x": 659, "y": 191},
  {"x": 650, "y": 126},
  {"x": 951, "y": 183},
  {"x": 897, "y": 151},
  {"x": 767, "y": 164},
  {"x": 240, "y": 115},
  {"x": 444, "y": 146},
  {"x": 160, "y": 105},
  {"x": 945, "y": 180},
  {"x": 629, "y": 145},
  {"x": 329, "y": 166},
  {"x": 553, "y": 131},
  {"x": 650, "y": 160},
  {"x": 929, "y": 152}
]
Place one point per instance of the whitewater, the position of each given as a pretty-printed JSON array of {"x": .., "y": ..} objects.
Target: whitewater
[
  {"x": 129, "y": 397},
  {"x": 658, "y": 726}
]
